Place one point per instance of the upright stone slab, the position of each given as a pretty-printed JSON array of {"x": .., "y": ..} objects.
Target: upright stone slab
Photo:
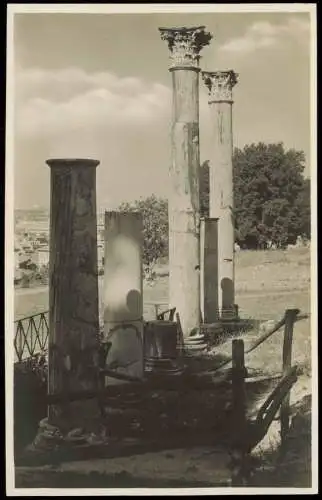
[
  {"x": 123, "y": 292},
  {"x": 209, "y": 270},
  {"x": 73, "y": 280},
  {"x": 220, "y": 85},
  {"x": 185, "y": 45}
]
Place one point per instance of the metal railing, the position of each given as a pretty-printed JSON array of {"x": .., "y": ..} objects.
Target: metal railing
[
  {"x": 32, "y": 332},
  {"x": 31, "y": 335}
]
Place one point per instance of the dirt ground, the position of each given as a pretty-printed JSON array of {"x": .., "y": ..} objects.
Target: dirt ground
[{"x": 267, "y": 283}]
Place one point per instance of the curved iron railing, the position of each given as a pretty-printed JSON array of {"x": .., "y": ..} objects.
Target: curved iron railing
[
  {"x": 31, "y": 332},
  {"x": 31, "y": 335}
]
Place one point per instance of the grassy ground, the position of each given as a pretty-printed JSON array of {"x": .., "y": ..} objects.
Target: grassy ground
[{"x": 267, "y": 283}]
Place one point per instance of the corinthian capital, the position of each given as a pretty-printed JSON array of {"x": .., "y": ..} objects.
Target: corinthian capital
[
  {"x": 220, "y": 84},
  {"x": 185, "y": 44}
]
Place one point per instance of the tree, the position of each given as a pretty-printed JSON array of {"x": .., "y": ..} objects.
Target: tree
[
  {"x": 268, "y": 181},
  {"x": 25, "y": 280},
  {"x": 43, "y": 274},
  {"x": 155, "y": 228},
  {"x": 28, "y": 265},
  {"x": 271, "y": 196},
  {"x": 304, "y": 208}
]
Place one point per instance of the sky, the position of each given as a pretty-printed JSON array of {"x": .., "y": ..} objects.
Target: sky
[{"x": 98, "y": 85}]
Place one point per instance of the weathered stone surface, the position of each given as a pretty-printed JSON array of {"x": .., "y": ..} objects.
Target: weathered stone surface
[
  {"x": 73, "y": 290},
  {"x": 185, "y": 44},
  {"x": 220, "y": 85},
  {"x": 160, "y": 339},
  {"x": 184, "y": 212},
  {"x": 209, "y": 270},
  {"x": 123, "y": 300}
]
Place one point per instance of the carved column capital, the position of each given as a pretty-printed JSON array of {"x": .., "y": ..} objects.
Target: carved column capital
[
  {"x": 185, "y": 45},
  {"x": 220, "y": 85}
]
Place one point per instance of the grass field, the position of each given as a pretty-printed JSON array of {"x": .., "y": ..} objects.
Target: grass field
[{"x": 267, "y": 283}]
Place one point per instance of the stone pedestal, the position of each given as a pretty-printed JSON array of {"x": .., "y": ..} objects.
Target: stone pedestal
[
  {"x": 123, "y": 292},
  {"x": 185, "y": 45},
  {"x": 73, "y": 283},
  {"x": 209, "y": 270},
  {"x": 160, "y": 339},
  {"x": 220, "y": 84}
]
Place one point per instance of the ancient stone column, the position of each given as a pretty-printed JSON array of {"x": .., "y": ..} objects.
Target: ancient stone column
[
  {"x": 220, "y": 85},
  {"x": 185, "y": 45},
  {"x": 123, "y": 292},
  {"x": 73, "y": 280},
  {"x": 209, "y": 270}
]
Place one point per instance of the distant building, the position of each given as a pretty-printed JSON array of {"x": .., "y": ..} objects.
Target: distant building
[
  {"x": 42, "y": 239},
  {"x": 43, "y": 256}
]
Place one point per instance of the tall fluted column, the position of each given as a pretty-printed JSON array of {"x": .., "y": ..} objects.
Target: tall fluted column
[
  {"x": 185, "y": 45},
  {"x": 73, "y": 285},
  {"x": 220, "y": 85}
]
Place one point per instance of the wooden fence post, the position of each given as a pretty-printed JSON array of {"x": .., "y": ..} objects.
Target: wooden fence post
[
  {"x": 290, "y": 316},
  {"x": 239, "y": 458}
]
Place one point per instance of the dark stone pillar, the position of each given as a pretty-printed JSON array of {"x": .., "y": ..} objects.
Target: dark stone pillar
[{"x": 73, "y": 285}]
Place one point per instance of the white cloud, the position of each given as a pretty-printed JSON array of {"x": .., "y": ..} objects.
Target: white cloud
[
  {"x": 123, "y": 122},
  {"x": 264, "y": 34},
  {"x": 56, "y": 102}
]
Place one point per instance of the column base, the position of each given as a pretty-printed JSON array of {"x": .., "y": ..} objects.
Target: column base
[
  {"x": 58, "y": 439},
  {"x": 230, "y": 314}
]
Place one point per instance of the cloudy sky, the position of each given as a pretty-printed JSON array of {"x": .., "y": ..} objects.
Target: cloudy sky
[{"x": 98, "y": 86}]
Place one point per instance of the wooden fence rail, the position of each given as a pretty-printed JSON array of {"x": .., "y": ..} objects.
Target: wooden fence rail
[
  {"x": 290, "y": 317},
  {"x": 247, "y": 434}
]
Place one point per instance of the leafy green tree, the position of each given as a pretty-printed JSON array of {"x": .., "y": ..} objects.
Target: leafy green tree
[
  {"x": 268, "y": 181},
  {"x": 28, "y": 265},
  {"x": 303, "y": 204},
  {"x": 271, "y": 196},
  {"x": 155, "y": 228}
]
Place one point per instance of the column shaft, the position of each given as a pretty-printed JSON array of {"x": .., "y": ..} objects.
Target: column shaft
[
  {"x": 220, "y": 85},
  {"x": 185, "y": 45},
  {"x": 221, "y": 202},
  {"x": 209, "y": 270},
  {"x": 184, "y": 199},
  {"x": 73, "y": 280},
  {"x": 123, "y": 292}
]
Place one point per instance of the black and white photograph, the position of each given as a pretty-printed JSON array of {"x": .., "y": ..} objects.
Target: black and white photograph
[{"x": 161, "y": 249}]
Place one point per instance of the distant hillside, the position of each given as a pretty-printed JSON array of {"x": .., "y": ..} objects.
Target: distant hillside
[{"x": 34, "y": 214}]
